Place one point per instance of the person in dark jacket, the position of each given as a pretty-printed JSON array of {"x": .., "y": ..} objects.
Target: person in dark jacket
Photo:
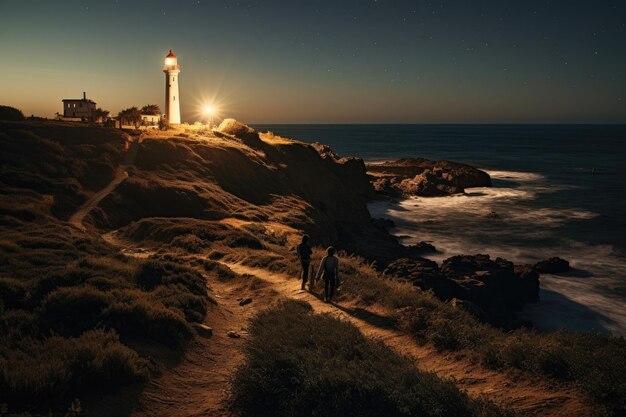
[
  {"x": 304, "y": 254},
  {"x": 329, "y": 271}
]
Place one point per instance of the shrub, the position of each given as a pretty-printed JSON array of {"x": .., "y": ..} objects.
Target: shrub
[
  {"x": 13, "y": 292},
  {"x": 10, "y": 113},
  {"x": 72, "y": 310},
  {"x": 301, "y": 364},
  {"x": 95, "y": 361},
  {"x": 135, "y": 317}
]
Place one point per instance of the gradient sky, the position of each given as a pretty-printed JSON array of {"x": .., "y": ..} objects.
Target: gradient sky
[{"x": 324, "y": 61}]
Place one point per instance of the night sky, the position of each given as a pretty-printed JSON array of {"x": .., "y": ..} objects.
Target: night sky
[{"x": 335, "y": 61}]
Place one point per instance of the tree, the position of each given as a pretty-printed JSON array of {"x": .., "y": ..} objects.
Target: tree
[
  {"x": 99, "y": 115},
  {"x": 152, "y": 109},
  {"x": 164, "y": 124},
  {"x": 10, "y": 113},
  {"x": 131, "y": 115}
]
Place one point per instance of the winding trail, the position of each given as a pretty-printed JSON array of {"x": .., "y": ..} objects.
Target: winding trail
[{"x": 121, "y": 174}]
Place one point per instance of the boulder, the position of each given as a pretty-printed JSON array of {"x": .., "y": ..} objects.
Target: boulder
[
  {"x": 423, "y": 177},
  {"x": 421, "y": 248},
  {"x": 553, "y": 265},
  {"x": 233, "y": 334},
  {"x": 425, "y": 274},
  {"x": 497, "y": 287},
  {"x": 245, "y": 133},
  {"x": 245, "y": 301},
  {"x": 471, "y": 308}
]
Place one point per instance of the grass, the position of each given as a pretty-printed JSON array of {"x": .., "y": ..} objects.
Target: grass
[
  {"x": 592, "y": 361},
  {"x": 302, "y": 364},
  {"x": 94, "y": 361}
]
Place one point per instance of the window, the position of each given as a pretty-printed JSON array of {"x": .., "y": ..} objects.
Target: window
[{"x": 174, "y": 98}]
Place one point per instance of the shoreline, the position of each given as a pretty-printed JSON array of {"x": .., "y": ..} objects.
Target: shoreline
[{"x": 571, "y": 301}]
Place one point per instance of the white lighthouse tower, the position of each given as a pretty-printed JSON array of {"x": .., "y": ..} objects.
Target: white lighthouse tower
[{"x": 172, "y": 99}]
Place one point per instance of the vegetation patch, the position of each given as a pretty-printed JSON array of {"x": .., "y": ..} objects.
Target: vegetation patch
[
  {"x": 37, "y": 375},
  {"x": 302, "y": 364}
]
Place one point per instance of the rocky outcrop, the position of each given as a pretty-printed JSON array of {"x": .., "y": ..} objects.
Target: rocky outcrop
[
  {"x": 423, "y": 177},
  {"x": 554, "y": 265},
  {"x": 497, "y": 287}
]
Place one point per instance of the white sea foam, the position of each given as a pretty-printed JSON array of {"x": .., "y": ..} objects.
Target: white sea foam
[{"x": 515, "y": 175}]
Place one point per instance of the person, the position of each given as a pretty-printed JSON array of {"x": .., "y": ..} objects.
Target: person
[
  {"x": 304, "y": 254},
  {"x": 329, "y": 271}
]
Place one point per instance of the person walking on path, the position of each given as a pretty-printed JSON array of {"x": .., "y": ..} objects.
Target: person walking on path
[
  {"x": 304, "y": 254},
  {"x": 329, "y": 270}
]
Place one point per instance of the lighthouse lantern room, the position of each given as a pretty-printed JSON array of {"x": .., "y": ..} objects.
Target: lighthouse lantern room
[{"x": 172, "y": 100}]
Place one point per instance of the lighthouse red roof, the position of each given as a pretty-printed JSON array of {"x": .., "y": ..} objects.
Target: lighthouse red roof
[{"x": 171, "y": 55}]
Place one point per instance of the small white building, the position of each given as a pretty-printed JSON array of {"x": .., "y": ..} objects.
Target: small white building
[
  {"x": 150, "y": 120},
  {"x": 78, "y": 108}
]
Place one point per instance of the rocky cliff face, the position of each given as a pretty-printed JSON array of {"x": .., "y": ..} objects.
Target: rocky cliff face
[{"x": 423, "y": 177}]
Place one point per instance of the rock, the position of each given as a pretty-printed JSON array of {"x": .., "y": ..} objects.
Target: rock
[
  {"x": 384, "y": 223},
  {"x": 233, "y": 334},
  {"x": 245, "y": 301},
  {"x": 471, "y": 308},
  {"x": 497, "y": 287},
  {"x": 530, "y": 282},
  {"x": 554, "y": 265},
  {"x": 425, "y": 274},
  {"x": 203, "y": 330},
  {"x": 428, "y": 184},
  {"x": 246, "y": 134},
  {"x": 419, "y": 176},
  {"x": 422, "y": 248}
]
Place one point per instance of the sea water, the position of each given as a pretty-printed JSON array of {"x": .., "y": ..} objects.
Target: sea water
[{"x": 558, "y": 190}]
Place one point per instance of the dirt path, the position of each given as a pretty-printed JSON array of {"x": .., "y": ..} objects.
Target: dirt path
[
  {"x": 528, "y": 396},
  {"x": 199, "y": 385},
  {"x": 121, "y": 174}
]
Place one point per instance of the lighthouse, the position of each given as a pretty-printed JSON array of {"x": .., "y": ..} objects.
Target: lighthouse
[{"x": 172, "y": 99}]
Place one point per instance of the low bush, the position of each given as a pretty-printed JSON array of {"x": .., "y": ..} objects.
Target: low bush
[
  {"x": 136, "y": 317},
  {"x": 96, "y": 360},
  {"x": 72, "y": 310},
  {"x": 10, "y": 113},
  {"x": 301, "y": 364}
]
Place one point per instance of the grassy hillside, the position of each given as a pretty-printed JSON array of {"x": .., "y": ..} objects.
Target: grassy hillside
[{"x": 71, "y": 306}]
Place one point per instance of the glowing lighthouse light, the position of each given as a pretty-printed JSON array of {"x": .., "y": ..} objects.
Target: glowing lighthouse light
[{"x": 172, "y": 99}]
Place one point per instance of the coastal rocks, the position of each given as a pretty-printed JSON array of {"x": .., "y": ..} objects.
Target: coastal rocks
[
  {"x": 428, "y": 184},
  {"x": 421, "y": 248},
  {"x": 497, "y": 287},
  {"x": 423, "y": 177},
  {"x": 554, "y": 265},
  {"x": 425, "y": 274},
  {"x": 471, "y": 308}
]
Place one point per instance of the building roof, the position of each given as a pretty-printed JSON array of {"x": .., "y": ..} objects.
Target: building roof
[
  {"x": 171, "y": 55},
  {"x": 79, "y": 99}
]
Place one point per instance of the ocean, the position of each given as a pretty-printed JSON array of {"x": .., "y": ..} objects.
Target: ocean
[{"x": 558, "y": 190}]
